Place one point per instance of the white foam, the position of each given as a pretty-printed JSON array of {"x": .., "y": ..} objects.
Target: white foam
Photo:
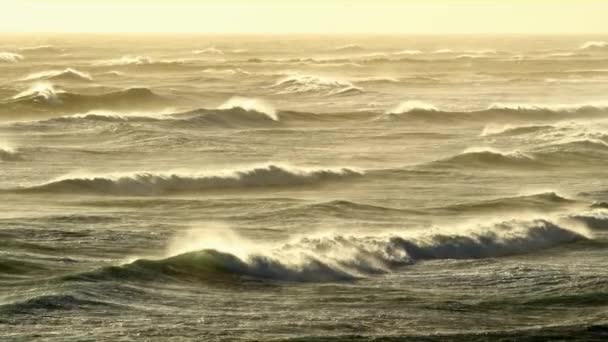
[{"x": 250, "y": 104}]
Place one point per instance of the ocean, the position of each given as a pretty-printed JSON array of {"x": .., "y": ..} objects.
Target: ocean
[{"x": 303, "y": 187}]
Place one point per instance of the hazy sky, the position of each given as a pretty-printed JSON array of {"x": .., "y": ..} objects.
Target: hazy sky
[{"x": 305, "y": 16}]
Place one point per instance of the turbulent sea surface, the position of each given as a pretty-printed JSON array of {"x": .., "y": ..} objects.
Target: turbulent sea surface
[{"x": 294, "y": 188}]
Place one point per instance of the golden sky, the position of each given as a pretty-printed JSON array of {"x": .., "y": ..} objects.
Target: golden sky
[{"x": 306, "y": 16}]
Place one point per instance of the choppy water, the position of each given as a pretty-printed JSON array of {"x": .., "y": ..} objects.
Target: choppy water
[{"x": 303, "y": 188}]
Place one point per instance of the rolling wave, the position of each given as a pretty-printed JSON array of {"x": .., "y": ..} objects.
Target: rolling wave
[
  {"x": 10, "y": 57},
  {"x": 51, "y": 302},
  {"x": 44, "y": 99},
  {"x": 417, "y": 111},
  {"x": 348, "y": 48},
  {"x": 412, "y": 106},
  {"x": 249, "y": 104},
  {"x": 41, "y": 49},
  {"x": 314, "y": 84},
  {"x": 67, "y": 74},
  {"x": 344, "y": 258},
  {"x": 543, "y": 202},
  {"x": 208, "y": 51},
  {"x": 485, "y": 156},
  {"x": 152, "y": 184},
  {"x": 9, "y": 154},
  {"x": 595, "y": 46}
]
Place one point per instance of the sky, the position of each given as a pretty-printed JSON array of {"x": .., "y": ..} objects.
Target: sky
[{"x": 306, "y": 16}]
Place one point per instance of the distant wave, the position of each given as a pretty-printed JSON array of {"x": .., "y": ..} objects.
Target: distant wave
[
  {"x": 410, "y": 106},
  {"x": 595, "y": 45},
  {"x": 237, "y": 71},
  {"x": 40, "y": 49},
  {"x": 476, "y": 156},
  {"x": 341, "y": 257},
  {"x": 491, "y": 130},
  {"x": 315, "y": 84},
  {"x": 126, "y": 60},
  {"x": 209, "y": 51},
  {"x": 68, "y": 74},
  {"x": 149, "y": 184},
  {"x": 251, "y": 104},
  {"x": 414, "y": 111},
  {"x": 43, "y": 99},
  {"x": 408, "y": 52},
  {"x": 349, "y": 48},
  {"x": 10, "y": 57},
  {"x": 9, "y": 154},
  {"x": 543, "y": 202}
]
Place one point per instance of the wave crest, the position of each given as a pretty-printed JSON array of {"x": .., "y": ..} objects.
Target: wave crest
[
  {"x": 68, "y": 74},
  {"x": 342, "y": 258},
  {"x": 315, "y": 84},
  {"x": 251, "y": 104},
  {"x": 10, "y": 57},
  {"x": 150, "y": 184}
]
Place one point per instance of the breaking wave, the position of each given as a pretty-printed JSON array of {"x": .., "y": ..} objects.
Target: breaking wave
[
  {"x": 410, "y": 106},
  {"x": 249, "y": 104},
  {"x": 41, "y": 49},
  {"x": 340, "y": 257},
  {"x": 476, "y": 156},
  {"x": 67, "y": 74},
  {"x": 126, "y": 60},
  {"x": 595, "y": 45},
  {"x": 315, "y": 84},
  {"x": 208, "y": 51},
  {"x": 44, "y": 99},
  {"x": 8, "y": 153},
  {"x": 412, "y": 111},
  {"x": 150, "y": 184},
  {"x": 10, "y": 57}
]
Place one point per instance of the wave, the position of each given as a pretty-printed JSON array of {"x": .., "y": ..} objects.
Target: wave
[
  {"x": 340, "y": 257},
  {"x": 44, "y": 99},
  {"x": 595, "y": 45},
  {"x": 51, "y": 302},
  {"x": 67, "y": 74},
  {"x": 486, "y": 156},
  {"x": 408, "y": 52},
  {"x": 9, "y": 154},
  {"x": 41, "y": 49},
  {"x": 415, "y": 111},
  {"x": 126, "y": 60},
  {"x": 237, "y": 71},
  {"x": 208, "y": 51},
  {"x": 411, "y": 106},
  {"x": 315, "y": 84},
  {"x": 10, "y": 57},
  {"x": 348, "y": 48},
  {"x": 151, "y": 184},
  {"x": 511, "y": 130},
  {"x": 544, "y": 202},
  {"x": 250, "y": 104},
  {"x": 595, "y": 220}
]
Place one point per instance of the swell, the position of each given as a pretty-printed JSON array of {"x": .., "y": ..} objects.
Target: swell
[
  {"x": 7, "y": 154},
  {"x": 428, "y": 113},
  {"x": 151, "y": 184},
  {"x": 344, "y": 258},
  {"x": 485, "y": 156},
  {"x": 544, "y": 202},
  {"x": 43, "y": 99},
  {"x": 67, "y": 74},
  {"x": 53, "y": 302}
]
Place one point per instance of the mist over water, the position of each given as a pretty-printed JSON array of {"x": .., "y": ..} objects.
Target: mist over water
[{"x": 350, "y": 188}]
